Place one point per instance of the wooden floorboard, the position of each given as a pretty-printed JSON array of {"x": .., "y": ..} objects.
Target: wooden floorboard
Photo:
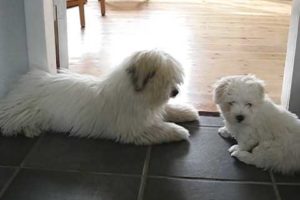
[{"x": 211, "y": 38}]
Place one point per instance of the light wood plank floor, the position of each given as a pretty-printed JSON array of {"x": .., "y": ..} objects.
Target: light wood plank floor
[{"x": 211, "y": 38}]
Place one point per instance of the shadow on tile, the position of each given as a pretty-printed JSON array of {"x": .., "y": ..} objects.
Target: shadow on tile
[
  {"x": 293, "y": 178},
  {"x": 194, "y": 124},
  {"x": 13, "y": 149},
  {"x": 204, "y": 121},
  {"x": 58, "y": 151}
]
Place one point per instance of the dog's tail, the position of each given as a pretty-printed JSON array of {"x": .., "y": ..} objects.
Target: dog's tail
[
  {"x": 18, "y": 110},
  {"x": 19, "y": 116}
]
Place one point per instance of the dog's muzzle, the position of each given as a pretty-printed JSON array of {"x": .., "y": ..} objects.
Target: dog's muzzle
[{"x": 174, "y": 93}]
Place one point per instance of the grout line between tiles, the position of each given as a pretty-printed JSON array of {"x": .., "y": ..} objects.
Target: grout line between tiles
[
  {"x": 210, "y": 180},
  {"x": 275, "y": 186},
  {"x": 32, "y": 148},
  {"x": 144, "y": 174},
  {"x": 8, "y": 166},
  {"x": 8, "y": 183},
  {"x": 288, "y": 183},
  {"x": 81, "y": 171},
  {"x": 18, "y": 169}
]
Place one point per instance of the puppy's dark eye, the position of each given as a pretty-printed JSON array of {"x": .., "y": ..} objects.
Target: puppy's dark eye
[
  {"x": 231, "y": 103},
  {"x": 249, "y": 105}
]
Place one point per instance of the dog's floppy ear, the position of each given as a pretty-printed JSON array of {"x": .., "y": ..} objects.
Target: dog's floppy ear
[
  {"x": 257, "y": 84},
  {"x": 140, "y": 76},
  {"x": 220, "y": 90}
]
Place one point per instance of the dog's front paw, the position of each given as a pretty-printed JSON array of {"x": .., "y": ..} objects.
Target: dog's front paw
[
  {"x": 243, "y": 156},
  {"x": 182, "y": 133},
  {"x": 31, "y": 132},
  {"x": 162, "y": 133},
  {"x": 233, "y": 148},
  {"x": 190, "y": 114},
  {"x": 180, "y": 113},
  {"x": 177, "y": 133},
  {"x": 223, "y": 132}
]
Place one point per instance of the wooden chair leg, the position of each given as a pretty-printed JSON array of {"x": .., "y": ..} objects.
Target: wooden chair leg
[
  {"x": 81, "y": 13},
  {"x": 102, "y": 4}
]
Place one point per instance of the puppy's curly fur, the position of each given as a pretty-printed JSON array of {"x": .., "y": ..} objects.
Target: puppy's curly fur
[
  {"x": 268, "y": 136},
  {"x": 128, "y": 106}
]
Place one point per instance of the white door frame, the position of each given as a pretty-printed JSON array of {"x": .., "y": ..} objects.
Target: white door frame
[
  {"x": 290, "y": 98},
  {"x": 39, "y": 17},
  {"x": 60, "y": 13}
]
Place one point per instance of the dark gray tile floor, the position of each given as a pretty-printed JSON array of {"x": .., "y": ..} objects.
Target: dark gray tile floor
[
  {"x": 57, "y": 151},
  {"x": 178, "y": 189},
  {"x": 5, "y": 174},
  {"x": 14, "y": 149},
  {"x": 289, "y": 192},
  {"x": 204, "y": 156},
  {"x": 55, "y": 166},
  {"x": 33, "y": 184}
]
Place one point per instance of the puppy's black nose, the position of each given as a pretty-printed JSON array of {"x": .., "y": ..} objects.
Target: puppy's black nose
[
  {"x": 174, "y": 93},
  {"x": 240, "y": 118}
]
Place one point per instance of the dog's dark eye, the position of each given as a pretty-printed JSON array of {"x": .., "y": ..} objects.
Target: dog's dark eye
[
  {"x": 231, "y": 103},
  {"x": 174, "y": 93},
  {"x": 249, "y": 105}
]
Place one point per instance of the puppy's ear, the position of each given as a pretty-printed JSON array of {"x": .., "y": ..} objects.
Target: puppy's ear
[
  {"x": 140, "y": 76},
  {"x": 220, "y": 88}
]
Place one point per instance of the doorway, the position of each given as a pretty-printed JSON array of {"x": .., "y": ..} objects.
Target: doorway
[{"x": 211, "y": 39}]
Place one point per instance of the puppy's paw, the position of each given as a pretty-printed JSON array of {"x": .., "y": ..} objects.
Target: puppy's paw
[
  {"x": 233, "y": 148},
  {"x": 223, "y": 132}
]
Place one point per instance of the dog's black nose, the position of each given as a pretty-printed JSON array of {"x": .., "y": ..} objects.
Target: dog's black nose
[
  {"x": 240, "y": 118},
  {"x": 174, "y": 93}
]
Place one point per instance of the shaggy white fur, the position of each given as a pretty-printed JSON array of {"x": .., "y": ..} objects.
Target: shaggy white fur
[
  {"x": 128, "y": 106},
  {"x": 268, "y": 136}
]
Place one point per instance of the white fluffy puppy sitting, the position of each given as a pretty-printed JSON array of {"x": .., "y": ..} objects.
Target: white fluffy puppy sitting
[
  {"x": 267, "y": 135},
  {"x": 128, "y": 106}
]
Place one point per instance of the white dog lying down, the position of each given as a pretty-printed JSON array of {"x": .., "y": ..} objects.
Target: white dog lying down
[
  {"x": 268, "y": 136},
  {"x": 128, "y": 106}
]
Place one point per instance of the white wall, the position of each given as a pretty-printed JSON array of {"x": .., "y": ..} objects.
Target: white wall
[
  {"x": 291, "y": 82},
  {"x": 13, "y": 47},
  {"x": 26, "y": 39}
]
